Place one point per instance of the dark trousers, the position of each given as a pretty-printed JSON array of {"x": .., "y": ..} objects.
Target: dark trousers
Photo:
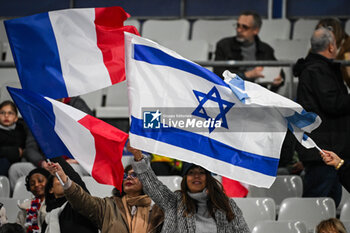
[
  {"x": 4, "y": 166},
  {"x": 322, "y": 181}
]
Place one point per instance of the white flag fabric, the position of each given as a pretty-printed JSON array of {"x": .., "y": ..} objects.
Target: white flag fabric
[{"x": 181, "y": 110}]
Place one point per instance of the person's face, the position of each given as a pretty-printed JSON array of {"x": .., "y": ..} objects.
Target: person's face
[
  {"x": 37, "y": 184},
  {"x": 57, "y": 188},
  {"x": 196, "y": 179},
  {"x": 7, "y": 116},
  {"x": 333, "y": 48},
  {"x": 245, "y": 29},
  {"x": 131, "y": 184}
]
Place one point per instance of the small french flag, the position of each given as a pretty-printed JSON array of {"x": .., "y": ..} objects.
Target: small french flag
[
  {"x": 69, "y": 52},
  {"x": 63, "y": 130}
]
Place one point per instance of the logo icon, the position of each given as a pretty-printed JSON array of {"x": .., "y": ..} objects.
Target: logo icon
[{"x": 151, "y": 119}]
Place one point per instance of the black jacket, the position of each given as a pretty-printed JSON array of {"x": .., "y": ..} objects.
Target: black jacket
[
  {"x": 344, "y": 174},
  {"x": 321, "y": 90},
  {"x": 70, "y": 220},
  {"x": 11, "y": 141},
  {"x": 230, "y": 49}
]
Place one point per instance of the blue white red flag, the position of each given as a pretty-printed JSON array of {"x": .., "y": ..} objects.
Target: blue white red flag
[
  {"x": 70, "y": 52},
  {"x": 63, "y": 130},
  {"x": 182, "y": 110}
]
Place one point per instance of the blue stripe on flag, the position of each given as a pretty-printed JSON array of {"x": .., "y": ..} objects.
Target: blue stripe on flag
[
  {"x": 302, "y": 119},
  {"x": 208, "y": 147},
  {"x": 36, "y": 55},
  {"x": 158, "y": 57},
  {"x": 38, "y": 113}
]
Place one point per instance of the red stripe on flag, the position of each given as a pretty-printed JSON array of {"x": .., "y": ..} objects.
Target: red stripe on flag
[
  {"x": 109, "y": 23},
  {"x": 109, "y": 143},
  {"x": 234, "y": 188}
]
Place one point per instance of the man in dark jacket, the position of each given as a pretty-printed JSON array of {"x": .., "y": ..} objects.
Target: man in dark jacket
[
  {"x": 321, "y": 90},
  {"x": 246, "y": 45}
]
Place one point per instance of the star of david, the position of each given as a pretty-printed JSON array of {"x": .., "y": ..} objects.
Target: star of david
[{"x": 212, "y": 95}]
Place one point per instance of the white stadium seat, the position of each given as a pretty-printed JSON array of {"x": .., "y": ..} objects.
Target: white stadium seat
[
  {"x": 20, "y": 190},
  {"x": 303, "y": 28},
  {"x": 274, "y": 29},
  {"x": 256, "y": 209},
  {"x": 309, "y": 210},
  {"x": 280, "y": 227},
  {"x": 97, "y": 189},
  {"x": 213, "y": 30},
  {"x": 162, "y": 30},
  {"x": 4, "y": 186}
]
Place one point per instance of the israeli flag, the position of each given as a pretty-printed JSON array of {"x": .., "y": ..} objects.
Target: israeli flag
[{"x": 181, "y": 110}]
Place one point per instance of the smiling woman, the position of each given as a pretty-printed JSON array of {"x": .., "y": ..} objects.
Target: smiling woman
[{"x": 200, "y": 206}]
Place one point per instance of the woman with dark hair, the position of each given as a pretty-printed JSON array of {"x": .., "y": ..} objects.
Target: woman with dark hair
[
  {"x": 200, "y": 206},
  {"x": 32, "y": 212},
  {"x": 61, "y": 217},
  {"x": 131, "y": 211}
]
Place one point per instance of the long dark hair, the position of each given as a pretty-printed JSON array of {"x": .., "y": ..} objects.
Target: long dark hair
[{"x": 217, "y": 199}]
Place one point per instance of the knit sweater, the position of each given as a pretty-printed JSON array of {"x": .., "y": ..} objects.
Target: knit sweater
[{"x": 170, "y": 202}]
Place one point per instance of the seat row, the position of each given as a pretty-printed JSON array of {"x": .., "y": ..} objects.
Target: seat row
[{"x": 260, "y": 213}]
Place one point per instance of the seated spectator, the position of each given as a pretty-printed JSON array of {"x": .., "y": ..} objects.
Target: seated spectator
[
  {"x": 331, "y": 225},
  {"x": 246, "y": 46},
  {"x": 343, "y": 43},
  {"x": 12, "y": 228},
  {"x": 12, "y": 136},
  {"x": 61, "y": 217},
  {"x": 200, "y": 206},
  {"x": 32, "y": 212},
  {"x": 36, "y": 158},
  {"x": 132, "y": 211}
]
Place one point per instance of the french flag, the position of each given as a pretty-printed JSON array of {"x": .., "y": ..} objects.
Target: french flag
[
  {"x": 63, "y": 130},
  {"x": 69, "y": 52}
]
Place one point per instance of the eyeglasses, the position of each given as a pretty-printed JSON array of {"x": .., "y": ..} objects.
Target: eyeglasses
[
  {"x": 243, "y": 26},
  {"x": 132, "y": 175},
  {"x": 7, "y": 113}
]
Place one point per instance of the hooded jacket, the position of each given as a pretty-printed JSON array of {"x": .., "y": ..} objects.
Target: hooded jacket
[{"x": 321, "y": 90}]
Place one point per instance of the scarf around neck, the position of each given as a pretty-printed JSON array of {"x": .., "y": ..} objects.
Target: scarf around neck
[
  {"x": 32, "y": 220},
  {"x": 137, "y": 212}
]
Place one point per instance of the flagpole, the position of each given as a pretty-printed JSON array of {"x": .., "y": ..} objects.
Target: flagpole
[{"x": 58, "y": 177}]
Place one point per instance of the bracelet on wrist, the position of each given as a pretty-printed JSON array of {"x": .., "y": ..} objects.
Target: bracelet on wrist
[
  {"x": 138, "y": 159},
  {"x": 339, "y": 164}
]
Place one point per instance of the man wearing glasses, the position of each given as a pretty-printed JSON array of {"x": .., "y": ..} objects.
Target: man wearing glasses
[{"x": 246, "y": 46}]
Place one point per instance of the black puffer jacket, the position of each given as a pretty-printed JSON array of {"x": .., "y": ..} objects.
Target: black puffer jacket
[{"x": 321, "y": 90}]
